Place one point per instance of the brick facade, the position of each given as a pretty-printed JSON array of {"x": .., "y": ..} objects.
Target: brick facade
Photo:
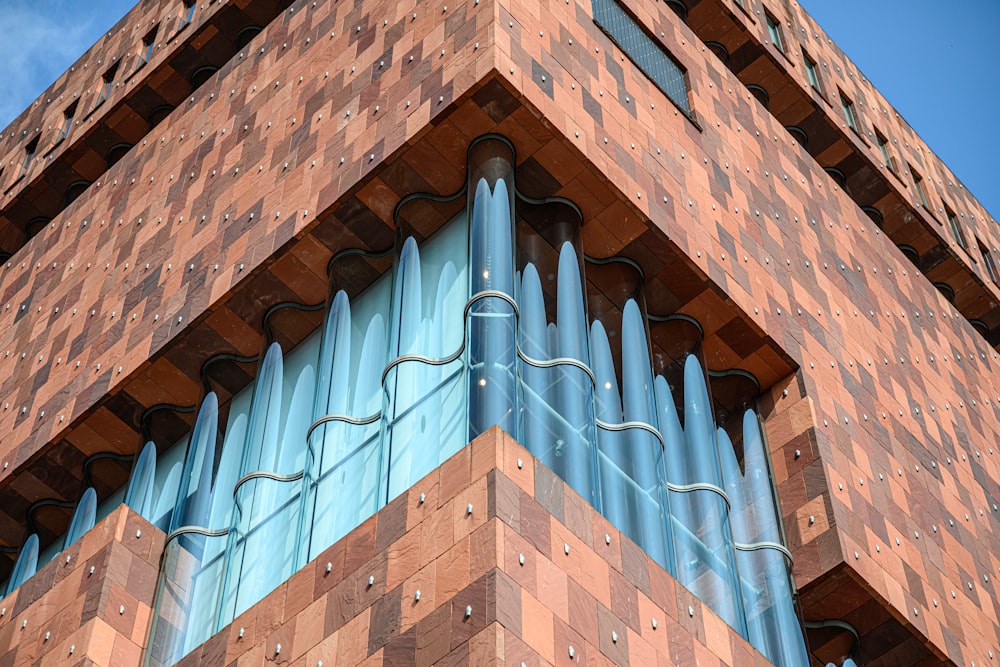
[{"x": 881, "y": 401}]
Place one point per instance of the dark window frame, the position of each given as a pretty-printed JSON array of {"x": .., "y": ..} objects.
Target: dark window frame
[
  {"x": 847, "y": 106},
  {"x": 956, "y": 229},
  {"x": 883, "y": 147},
  {"x": 918, "y": 181},
  {"x": 812, "y": 72},
  {"x": 991, "y": 267},
  {"x": 612, "y": 17},
  {"x": 774, "y": 31}
]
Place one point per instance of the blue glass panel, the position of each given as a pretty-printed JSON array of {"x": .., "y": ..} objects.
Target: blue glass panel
[
  {"x": 139, "y": 495},
  {"x": 492, "y": 353},
  {"x": 259, "y": 555},
  {"x": 83, "y": 517},
  {"x": 699, "y": 518},
  {"x": 344, "y": 460},
  {"x": 426, "y": 415},
  {"x": 26, "y": 565},
  {"x": 772, "y": 623}
]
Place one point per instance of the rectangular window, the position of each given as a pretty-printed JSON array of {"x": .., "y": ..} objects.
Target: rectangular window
[
  {"x": 67, "y": 123},
  {"x": 848, "y": 107},
  {"x": 187, "y": 15},
  {"x": 956, "y": 229},
  {"x": 883, "y": 147},
  {"x": 148, "y": 44},
  {"x": 646, "y": 53},
  {"x": 107, "y": 83},
  {"x": 812, "y": 72},
  {"x": 991, "y": 268},
  {"x": 919, "y": 182},
  {"x": 774, "y": 30},
  {"x": 29, "y": 155}
]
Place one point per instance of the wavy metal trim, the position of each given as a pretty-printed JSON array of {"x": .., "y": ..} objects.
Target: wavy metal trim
[
  {"x": 758, "y": 546},
  {"x": 267, "y": 474},
  {"x": 347, "y": 419},
  {"x": 193, "y": 530},
  {"x": 700, "y": 486}
]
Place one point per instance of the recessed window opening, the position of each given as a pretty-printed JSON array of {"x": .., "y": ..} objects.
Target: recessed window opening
[
  {"x": 774, "y": 30},
  {"x": 956, "y": 229},
  {"x": 246, "y": 35},
  {"x": 148, "y": 45},
  {"x": 719, "y": 50},
  {"x": 67, "y": 123},
  {"x": 837, "y": 175},
  {"x": 883, "y": 147},
  {"x": 874, "y": 214},
  {"x": 947, "y": 290},
  {"x": 760, "y": 93},
  {"x": 679, "y": 8},
  {"x": 117, "y": 152},
  {"x": 919, "y": 182},
  {"x": 991, "y": 268},
  {"x": 648, "y": 54},
  {"x": 202, "y": 74},
  {"x": 29, "y": 155},
  {"x": 108, "y": 82},
  {"x": 188, "y": 14},
  {"x": 812, "y": 72},
  {"x": 848, "y": 106},
  {"x": 799, "y": 134},
  {"x": 75, "y": 189}
]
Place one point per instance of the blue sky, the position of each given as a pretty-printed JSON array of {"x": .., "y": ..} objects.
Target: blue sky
[{"x": 935, "y": 61}]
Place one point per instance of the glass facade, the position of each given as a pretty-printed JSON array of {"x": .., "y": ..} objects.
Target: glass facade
[{"x": 496, "y": 318}]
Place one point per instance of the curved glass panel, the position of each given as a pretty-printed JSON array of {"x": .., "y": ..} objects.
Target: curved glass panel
[
  {"x": 188, "y": 589},
  {"x": 26, "y": 565},
  {"x": 164, "y": 505},
  {"x": 699, "y": 516},
  {"x": 139, "y": 495},
  {"x": 83, "y": 517},
  {"x": 772, "y": 623},
  {"x": 426, "y": 412},
  {"x": 630, "y": 460},
  {"x": 491, "y": 322},
  {"x": 557, "y": 418},
  {"x": 343, "y": 460},
  {"x": 259, "y": 555}
]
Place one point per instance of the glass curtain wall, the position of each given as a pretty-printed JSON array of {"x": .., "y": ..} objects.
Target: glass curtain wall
[
  {"x": 699, "y": 509},
  {"x": 483, "y": 312},
  {"x": 764, "y": 563}
]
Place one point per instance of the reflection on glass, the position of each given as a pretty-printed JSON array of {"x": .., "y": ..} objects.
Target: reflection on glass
[
  {"x": 772, "y": 623},
  {"x": 699, "y": 517},
  {"x": 259, "y": 555},
  {"x": 139, "y": 495},
  {"x": 631, "y": 456},
  {"x": 83, "y": 517},
  {"x": 26, "y": 565},
  {"x": 491, "y": 326}
]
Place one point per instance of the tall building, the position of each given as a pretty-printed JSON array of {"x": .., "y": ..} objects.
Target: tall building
[{"x": 720, "y": 329}]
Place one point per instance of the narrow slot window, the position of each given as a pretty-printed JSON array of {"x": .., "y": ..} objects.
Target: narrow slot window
[
  {"x": 848, "y": 107},
  {"x": 883, "y": 147},
  {"x": 774, "y": 30},
  {"x": 991, "y": 268},
  {"x": 67, "y": 123},
  {"x": 812, "y": 72},
  {"x": 107, "y": 83},
  {"x": 29, "y": 156},
  {"x": 148, "y": 45},
  {"x": 919, "y": 183},
  {"x": 956, "y": 229}
]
